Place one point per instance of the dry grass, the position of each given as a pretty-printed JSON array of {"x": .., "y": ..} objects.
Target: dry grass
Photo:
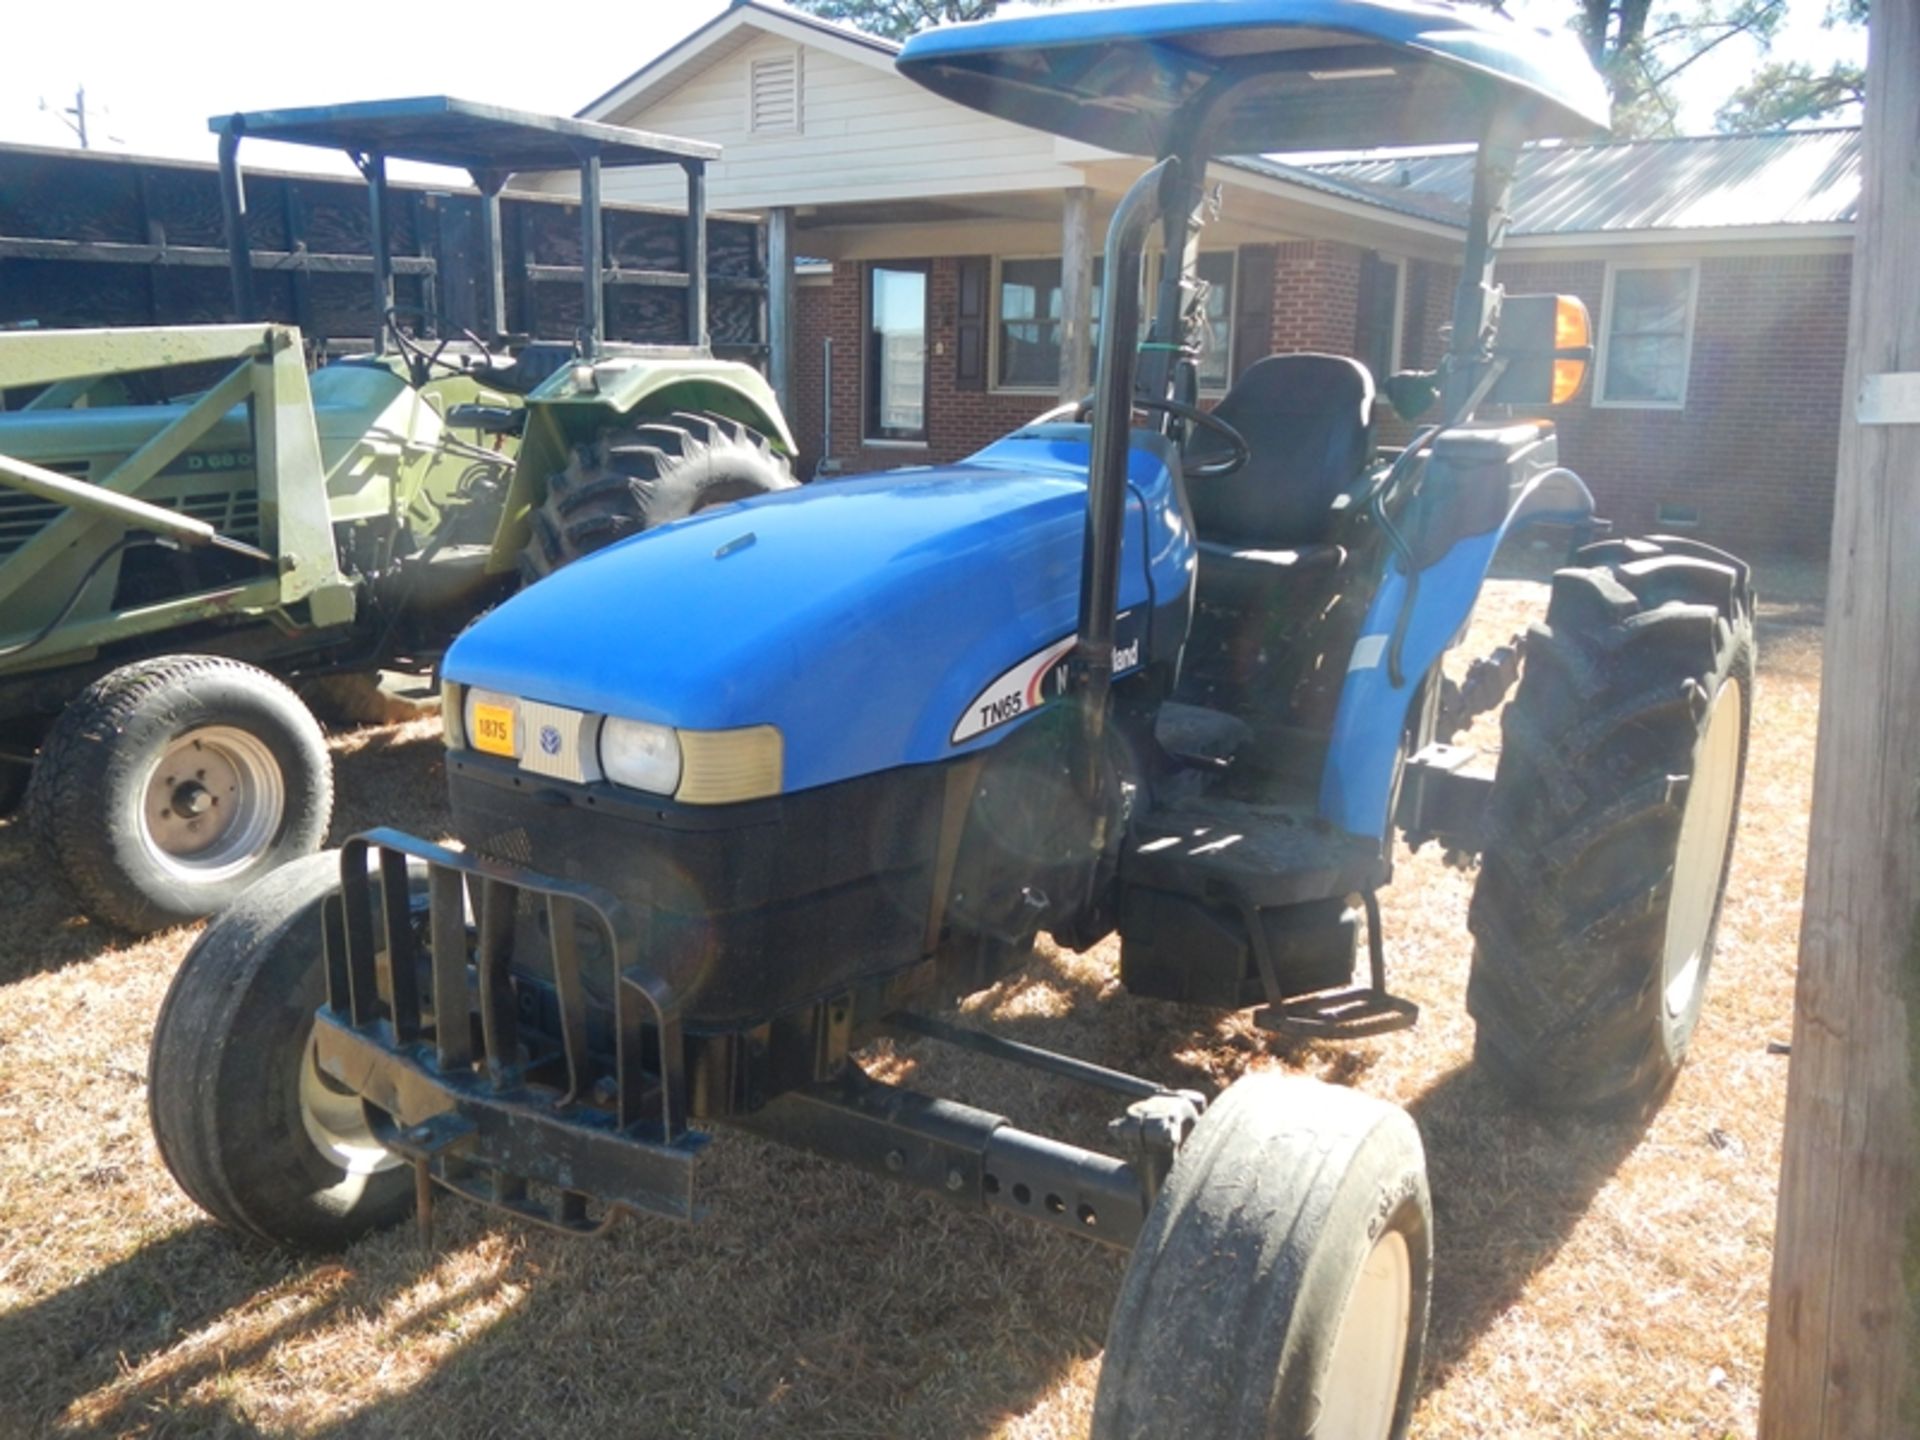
[{"x": 1592, "y": 1281}]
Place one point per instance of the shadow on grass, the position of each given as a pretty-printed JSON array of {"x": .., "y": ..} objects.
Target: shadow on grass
[
  {"x": 1508, "y": 1188},
  {"x": 811, "y": 1301}
]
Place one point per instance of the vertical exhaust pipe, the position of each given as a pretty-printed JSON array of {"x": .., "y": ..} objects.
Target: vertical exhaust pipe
[{"x": 1107, "y": 473}]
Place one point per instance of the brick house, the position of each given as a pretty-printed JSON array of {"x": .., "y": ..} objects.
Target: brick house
[{"x": 953, "y": 276}]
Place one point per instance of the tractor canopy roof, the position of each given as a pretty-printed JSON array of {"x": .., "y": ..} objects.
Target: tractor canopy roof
[
  {"x": 481, "y": 139},
  {"x": 1312, "y": 74}
]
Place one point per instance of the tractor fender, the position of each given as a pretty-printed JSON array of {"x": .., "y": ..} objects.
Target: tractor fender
[{"x": 1356, "y": 788}]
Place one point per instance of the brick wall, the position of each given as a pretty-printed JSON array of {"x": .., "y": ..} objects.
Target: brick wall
[
  {"x": 1316, "y": 297},
  {"x": 958, "y": 422},
  {"x": 1752, "y": 453}
]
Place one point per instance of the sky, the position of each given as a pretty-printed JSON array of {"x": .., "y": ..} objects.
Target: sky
[{"x": 154, "y": 72}]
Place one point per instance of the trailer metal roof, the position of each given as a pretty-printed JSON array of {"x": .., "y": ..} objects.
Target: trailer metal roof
[
  {"x": 1793, "y": 177},
  {"x": 442, "y": 130},
  {"x": 1318, "y": 74}
]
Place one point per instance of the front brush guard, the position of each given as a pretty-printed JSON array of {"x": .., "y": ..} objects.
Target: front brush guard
[{"x": 473, "y": 1108}]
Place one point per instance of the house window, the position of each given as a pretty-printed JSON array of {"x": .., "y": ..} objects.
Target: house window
[
  {"x": 773, "y": 94},
  {"x": 1027, "y": 320},
  {"x": 1383, "y": 303},
  {"x": 1646, "y": 336},
  {"x": 896, "y": 359},
  {"x": 1216, "y": 353}
]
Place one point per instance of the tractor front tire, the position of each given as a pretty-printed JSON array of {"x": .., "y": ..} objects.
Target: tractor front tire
[
  {"x": 251, "y": 1129},
  {"x": 170, "y": 785},
  {"x": 1610, "y": 826},
  {"x": 1281, "y": 1286},
  {"x": 625, "y": 481}
]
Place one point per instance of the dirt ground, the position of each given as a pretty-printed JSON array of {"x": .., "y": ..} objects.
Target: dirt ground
[{"x": 1592, "y": 1280}]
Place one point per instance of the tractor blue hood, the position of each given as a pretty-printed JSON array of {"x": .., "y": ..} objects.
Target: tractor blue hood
[{"x": 862, "y": 617}]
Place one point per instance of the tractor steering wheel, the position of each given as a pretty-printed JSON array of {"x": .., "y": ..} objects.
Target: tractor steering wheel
[
  {"x": 1238, "y": 451},
  {"x": 422, "y": 361}
]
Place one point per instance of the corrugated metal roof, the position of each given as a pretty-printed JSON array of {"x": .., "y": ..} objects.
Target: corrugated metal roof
[
  {"x": 1793, "y": 177},
  {"x": 1401, "y": 199}
]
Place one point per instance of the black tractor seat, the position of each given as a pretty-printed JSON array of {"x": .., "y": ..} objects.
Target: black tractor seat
[{"x": 1308, "y": 423}]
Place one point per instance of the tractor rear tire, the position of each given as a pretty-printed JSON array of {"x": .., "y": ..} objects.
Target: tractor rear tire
[
  {"x": 625, "y": 481},
  {"x": 170, "y": 785},
  {"x": 1280, "y": 1289},
  {"x": 243, "y": 1118},
  {"x": 1610, "y": 826}
]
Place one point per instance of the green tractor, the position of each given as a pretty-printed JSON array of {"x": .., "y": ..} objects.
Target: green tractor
[{"x": 192, "y": 520}]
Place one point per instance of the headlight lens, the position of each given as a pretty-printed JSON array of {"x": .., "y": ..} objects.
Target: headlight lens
[
  {"x": 640, "y": 755},
  {"x": 492, "y": 722}
]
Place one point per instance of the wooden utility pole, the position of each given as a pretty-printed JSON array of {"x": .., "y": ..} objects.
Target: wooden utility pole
[{"x": 1843, "y": 1335}]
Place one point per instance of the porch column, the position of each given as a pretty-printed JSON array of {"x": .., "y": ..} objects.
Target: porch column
[
  {"x": 780, "y": 304},
  {"x": 1076, "y": 293}
]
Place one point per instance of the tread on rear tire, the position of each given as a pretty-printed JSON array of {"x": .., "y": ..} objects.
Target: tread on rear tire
[
  {"x": 1593, "y": 929},
  {"x": 625, "y": 481}
]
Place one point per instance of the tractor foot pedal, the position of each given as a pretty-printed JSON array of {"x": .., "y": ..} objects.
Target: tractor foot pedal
[{"x": 1339, "y": 1015}]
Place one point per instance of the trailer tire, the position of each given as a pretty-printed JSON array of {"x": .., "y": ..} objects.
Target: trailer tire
[
  {"x": 233, "y": 1095},
  {"x": 1280, "y": 1288},
  {"x": 114, "y": 820},
  {"x": 628, "y": 480},
  {"x": 1610, "y": 827}
]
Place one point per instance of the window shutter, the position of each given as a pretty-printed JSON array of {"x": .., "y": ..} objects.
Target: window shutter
[
  {"x": 773, "y": 93},
  {"x": 1253, "y": 307},
  {"x": 970, "y": 323}
]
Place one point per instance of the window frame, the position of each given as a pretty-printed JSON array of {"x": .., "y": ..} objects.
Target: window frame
[
  {"x": 1397, "y": 330},
  {"x": 1151, "y": 280},
  {"x": 1604, "y": 341},
  {"x": 869, "y": 408}
]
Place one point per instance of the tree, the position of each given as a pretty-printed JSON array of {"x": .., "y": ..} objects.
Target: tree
[
  {"x": 1643, "y": 54},
  {"x": 897, "y": 19},
  {"x": 1791, "y": 93}
]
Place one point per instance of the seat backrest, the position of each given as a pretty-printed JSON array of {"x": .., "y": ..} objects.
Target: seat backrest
[{"x": 1308, "y": 419}]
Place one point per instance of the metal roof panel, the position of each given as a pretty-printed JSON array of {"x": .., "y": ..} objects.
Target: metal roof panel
[{"x": 1792, "y": 177}]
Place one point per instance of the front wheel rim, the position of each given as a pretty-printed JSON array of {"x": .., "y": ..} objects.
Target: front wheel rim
[
  {"x": 1701, "y": 857},
  {"x": 335, "y": 1120},
  {"x": 212, "y": 804},
  {"x": 1361, "y": 1390}
]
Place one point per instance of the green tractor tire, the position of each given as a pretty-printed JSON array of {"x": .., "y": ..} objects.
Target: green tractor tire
[
  {"x": 632, "y": 479},
  {"x": 170, "y": 785}
]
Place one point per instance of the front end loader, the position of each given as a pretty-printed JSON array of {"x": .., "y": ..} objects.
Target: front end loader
[{"x": 191, "y": 521}]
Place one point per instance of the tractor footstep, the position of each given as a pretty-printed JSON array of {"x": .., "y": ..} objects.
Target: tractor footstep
[{"x": 1339, "y": 1015}]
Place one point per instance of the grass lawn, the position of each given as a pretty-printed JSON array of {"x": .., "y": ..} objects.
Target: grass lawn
[{"x": 1592, "y": 1280}]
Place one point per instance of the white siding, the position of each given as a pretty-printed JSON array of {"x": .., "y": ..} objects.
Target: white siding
[{"x": 865, "y": 134}]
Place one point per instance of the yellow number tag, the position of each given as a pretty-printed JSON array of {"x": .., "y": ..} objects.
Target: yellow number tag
[{"x": 493, "y": 729}]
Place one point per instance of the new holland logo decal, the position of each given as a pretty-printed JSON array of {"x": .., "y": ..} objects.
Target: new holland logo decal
[{"x": 1037, "y": 679}]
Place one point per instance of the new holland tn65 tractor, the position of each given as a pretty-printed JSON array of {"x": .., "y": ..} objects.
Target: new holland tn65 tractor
[
  {"x": 1170, "y": 673},
  {"x": 165, "y": 566}
]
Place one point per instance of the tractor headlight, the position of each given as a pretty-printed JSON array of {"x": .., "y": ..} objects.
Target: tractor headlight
[{"x": 639, "y": 755}]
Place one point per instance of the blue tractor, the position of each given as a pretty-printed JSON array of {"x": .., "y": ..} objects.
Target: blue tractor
[{"x": 735, "y": 796}]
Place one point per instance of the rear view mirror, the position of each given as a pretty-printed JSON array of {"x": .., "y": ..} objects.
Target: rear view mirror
[{"x": 1547, "y": 342}]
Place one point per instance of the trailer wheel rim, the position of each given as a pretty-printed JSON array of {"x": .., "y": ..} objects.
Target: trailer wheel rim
[
  {"x": 1700, "y": 862},
  {"x": 213, "y": 804},
  {"x": 1361, "y": 1390},
  {"x": 335, "y": 1119}
]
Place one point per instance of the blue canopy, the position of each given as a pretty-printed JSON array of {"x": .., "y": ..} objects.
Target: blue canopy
[{"x": 1319, "y": 74}]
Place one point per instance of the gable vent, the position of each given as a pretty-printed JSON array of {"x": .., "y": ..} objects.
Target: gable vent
[{"x": 773, "y": 93}]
